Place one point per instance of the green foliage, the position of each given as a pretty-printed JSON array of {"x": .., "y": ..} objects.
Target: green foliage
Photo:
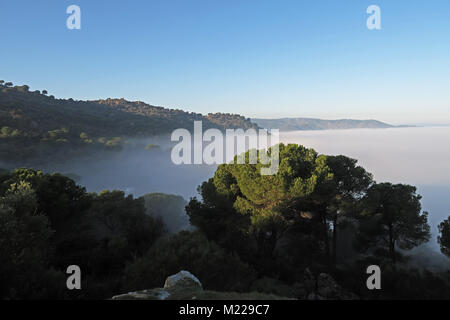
[
  {"x": 47, "y": 223},
  {"x": 254, "y": 232},
  {"x": 114, "y": 142},
  {"x": 398, "y": 283},
  {"x": 170, "y": 208},
  {"x": 84, "y": 135},
  {"x": 191, "y": 251},
  {"x": 231, "y": 121},
  {"x": 393, "y": 218},
  {"x": 58, "y": 134},
  {"x": 265, "y": 199},
  {"x": 240, "y": 203},
  {"x": 273, "y": 286},
  {"x": 7, "y": 132},
  {"x": 50, "y": 126},
  {"x": 24, "y": 246},
  {"x": 23, "y": 88},
  {"x": 444, "y": 236},
  {"x": 122, "y": 219},
  {"x": 284, "y": 223}
]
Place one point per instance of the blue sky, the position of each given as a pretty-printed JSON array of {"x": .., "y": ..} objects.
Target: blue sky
[{"x": 258, "y": 58}]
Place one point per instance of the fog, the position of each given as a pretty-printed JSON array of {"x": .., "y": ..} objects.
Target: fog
[
  {"x": 419, "y": 156},
  {"x": 137, "y": 170}
]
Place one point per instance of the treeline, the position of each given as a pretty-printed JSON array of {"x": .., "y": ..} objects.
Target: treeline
[
  {"x": 260, "y": 233},
  {"x": 32, "y": 122},
  {"x": 324, "y": 213},
  {"x": 48, "y": 222}
]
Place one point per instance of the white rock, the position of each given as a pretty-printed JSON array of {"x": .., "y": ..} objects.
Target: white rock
[{"x": 182, "y": 278}]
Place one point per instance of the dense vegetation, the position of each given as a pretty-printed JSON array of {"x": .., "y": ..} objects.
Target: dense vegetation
[
  {"x": 169, "y": 208},
  {"x": 444, "y": 237},
  {"x": 34, "y": 125},
  {"x": 253, "y": 232}
]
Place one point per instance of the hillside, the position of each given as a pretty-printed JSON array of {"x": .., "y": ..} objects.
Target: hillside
[
  {"x": 33, "y": 123},
  {"x": 292, "y": 124}
]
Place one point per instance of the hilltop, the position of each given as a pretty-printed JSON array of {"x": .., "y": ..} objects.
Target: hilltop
[{"x": 33, "y": 123}]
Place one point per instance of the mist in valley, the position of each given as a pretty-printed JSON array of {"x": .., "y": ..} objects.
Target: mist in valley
[
  {"x": 142, "y": 166},
  {"x": 419, "y": 156}
]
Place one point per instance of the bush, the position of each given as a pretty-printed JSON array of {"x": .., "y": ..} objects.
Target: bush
[{"x": 216, "y": 269}]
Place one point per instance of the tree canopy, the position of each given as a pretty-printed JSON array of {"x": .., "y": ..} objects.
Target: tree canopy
[
  {"x": 444, "y": 236},
  {"x": 394, "y": 218}
]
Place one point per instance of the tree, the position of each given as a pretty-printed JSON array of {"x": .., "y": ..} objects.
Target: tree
[
  {"x": 23, "y": 88},
  {"x": 24, "y": 246},
  {"x": 84, "y": 135},
  {"x": 444, "y": 236},
  {"x": 349, "y": 184},
  {"x": 44, "y": 92},
  {"x": 122, "y": 219},
  {"x": 217, "y": 269},
  {"x": 8, "y": 84},
  {"x": 66, "y": 205},
  {"x": 170, "y": 208},
  {"x": 7, "y": 132},
  {"x": 239, "y": 200},
  {"x": 47, "y": 222},
  {"x": 393, "y": 218}
]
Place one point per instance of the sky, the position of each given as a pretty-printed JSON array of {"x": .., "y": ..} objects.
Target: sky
[{"x": 259, "y": 58}]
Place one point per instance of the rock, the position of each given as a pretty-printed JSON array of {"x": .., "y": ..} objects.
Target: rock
[
  {"x": 153, "y": 294},
  {"x": 183, "y": 282},
  {"x": 183, "y": 279},
  {"x": 185, "y": 286}
]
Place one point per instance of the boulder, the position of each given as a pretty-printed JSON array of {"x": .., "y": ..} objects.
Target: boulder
[{"x": 183, "y": 279}]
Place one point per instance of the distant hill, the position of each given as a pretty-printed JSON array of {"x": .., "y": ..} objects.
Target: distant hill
[
  {"x": 291, "y": 124},
  {"x": 34, "y": 124}
]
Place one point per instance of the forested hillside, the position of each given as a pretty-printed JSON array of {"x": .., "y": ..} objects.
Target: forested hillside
[{"x": 32, "y": 123}]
